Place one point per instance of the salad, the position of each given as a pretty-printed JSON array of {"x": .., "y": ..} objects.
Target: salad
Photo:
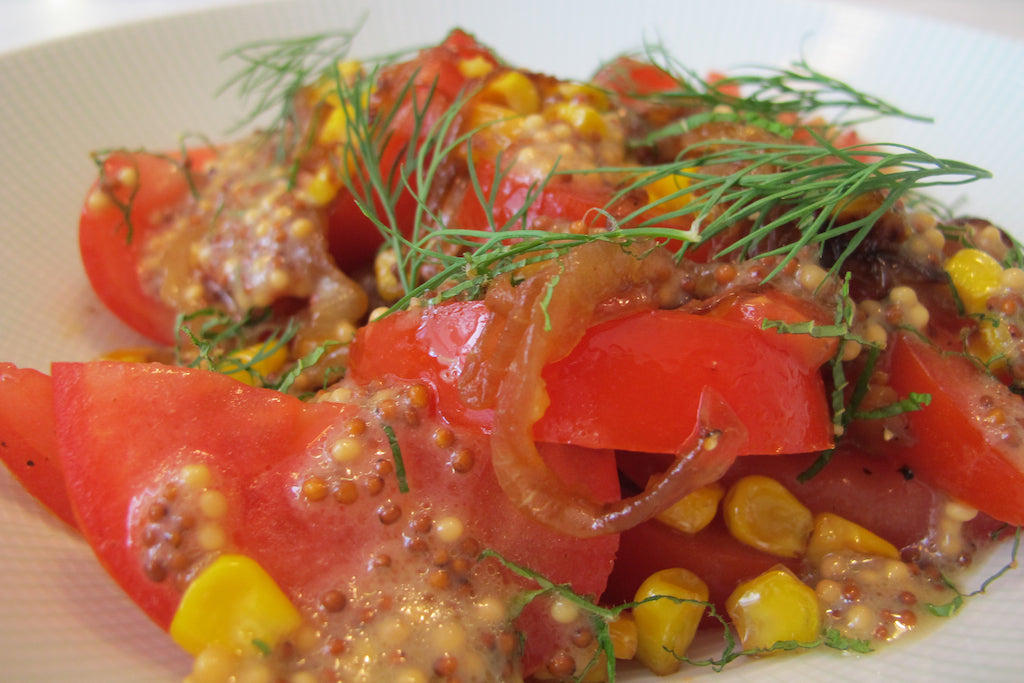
[{"x": 465, "y": 373}]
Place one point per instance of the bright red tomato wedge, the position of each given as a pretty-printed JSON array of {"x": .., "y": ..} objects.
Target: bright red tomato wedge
[
  {"x": 126, "y": 431},
  {"x": 111, "y": 246},
  {"x": 969, "y": 441},
  {"x": 630, "y": 384},
  {"x": 28, "y": 437}
]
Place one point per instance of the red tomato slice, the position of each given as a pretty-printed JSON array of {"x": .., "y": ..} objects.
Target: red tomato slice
[
  {"x": 562, "y": 198},
  {"x": 969, "y": 442},
  {"x": 630, "y": 384},
  {"x": 28, "y": 437},
  {"x": 412, "y": 96},
  {"x": 630, "y": 76},
  {"x": 126, "y": 430},
  {"x": 634, "y": 384},
  {"x": 110, "y": 253}
]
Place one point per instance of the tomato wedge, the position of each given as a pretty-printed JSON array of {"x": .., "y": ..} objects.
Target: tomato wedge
[
  {"x": 128, "y": 432},
  {"x": 630, "y": 384},
  {"x": 110, "y": 245},
  {"x": 969, "y": 441},
  {"x": 28, "y": 437}
]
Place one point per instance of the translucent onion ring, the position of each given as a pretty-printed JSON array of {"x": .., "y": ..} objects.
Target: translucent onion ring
[{"x": 540, "y": 320}]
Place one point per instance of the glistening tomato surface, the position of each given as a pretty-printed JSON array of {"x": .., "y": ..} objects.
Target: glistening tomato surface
[
  {"x": 632, "y": 383},
  {"x": 111, "y": 243},
  {"x": 128, "y": 431},
  {"x": 969, "y": 441}
]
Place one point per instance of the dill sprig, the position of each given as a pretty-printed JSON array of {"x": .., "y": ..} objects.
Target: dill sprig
[
  {"x": 781, "y": 185},
  {"x": 275, "y": 70},
  {"x": 769, "y": 92},
  {"x": 602, "y": 616},
  {"x": 776, "y": 184}
]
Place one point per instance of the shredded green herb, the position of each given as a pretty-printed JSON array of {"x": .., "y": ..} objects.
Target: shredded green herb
[{"x": 396, "y": 455}]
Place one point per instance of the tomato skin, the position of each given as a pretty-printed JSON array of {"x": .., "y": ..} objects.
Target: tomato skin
[
  {"x": 28, "y": 437},
  {"x": 428, "y": 346},
  {"x": 412, "y": 96},
  {"x": 630, "y": 76},
  {"x": 106, "y": 407},
  {"x": 968, "y": 442},
  {"x": 630, "y": 384},
  {"x": 111, "y": 257},
  {"x": 561, "y": 199},
  {"x": 258, "y": 444},
  {"x": 754, "y": 309}
]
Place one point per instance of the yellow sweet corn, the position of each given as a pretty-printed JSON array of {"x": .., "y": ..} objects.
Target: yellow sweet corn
[
  {"x": 515, "y": 90},
  {"x": 233, "y": 604},
  {"x": 670, "y": 186},
  {"x": 977, "y": 275},
  {"x": 695, "y": 511},
  {"x": 475, "y": 67},
  {"x": 322, "y": 187},
  {"x": 665, "y": 627},
  {"x": 582, "y": 117},
  {"x": 763, "y": 514},
  {"x": 335, "y": 127},
  {"x": 622, "y": 632},
  {"x": 326, "y": 88},
  {"x": 585, "y": 93},
  {"x": 773, "y": 607},
  {"x": 833, "y": 533},
  {"x": 255, "y": 360}
]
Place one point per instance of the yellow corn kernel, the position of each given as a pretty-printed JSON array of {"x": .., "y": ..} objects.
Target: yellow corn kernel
[
  {"x": 584, "y": 92},
  {"x": 475, "y": 67},
  {"x": 695, "y": 511},
  {"x": 257, "y": 360},
  {"x": 385, "y": 271},
  {"x": 833, "y": 533},
  {"x": 516, "y": 90},
  {"x": 582, "y": 117},
  {"x": 233, "y": 604},
  {"x": 322, "y": 187},
  {"x": 335, "y": 127},
  {"x": 496, "y": 122},
  {"x": 622, "y": 633},
  {"x": 665, "y": 626},
  {"x": 763, "y": 514},
  {"x": 976, "y": 275},
  {"x": 326, "y": 88},
  {"x": 670, "y": 189},
  {"x": 775, "y": 606}
]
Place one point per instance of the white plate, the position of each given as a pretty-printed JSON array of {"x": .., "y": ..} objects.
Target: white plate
[{"x": 144, "y": 84}]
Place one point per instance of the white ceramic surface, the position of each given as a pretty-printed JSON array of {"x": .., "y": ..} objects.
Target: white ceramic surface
[{"x": 144, "y": 84}]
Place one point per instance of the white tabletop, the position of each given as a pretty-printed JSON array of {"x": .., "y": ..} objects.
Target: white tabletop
[{"x": 23, "y": 22}]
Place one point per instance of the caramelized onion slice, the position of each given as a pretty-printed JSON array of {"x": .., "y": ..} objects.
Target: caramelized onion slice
[{"x": 541, "y": 319}]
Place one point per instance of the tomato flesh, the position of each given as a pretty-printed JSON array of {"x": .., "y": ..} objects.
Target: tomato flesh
[
  {"x": 124, "y": 428},
  {"x": 28, "y": 437},
  {"x": 111, "y": 246},
  {"x": 969, "y": 441},
  {"x": 630, "y": 384}
]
